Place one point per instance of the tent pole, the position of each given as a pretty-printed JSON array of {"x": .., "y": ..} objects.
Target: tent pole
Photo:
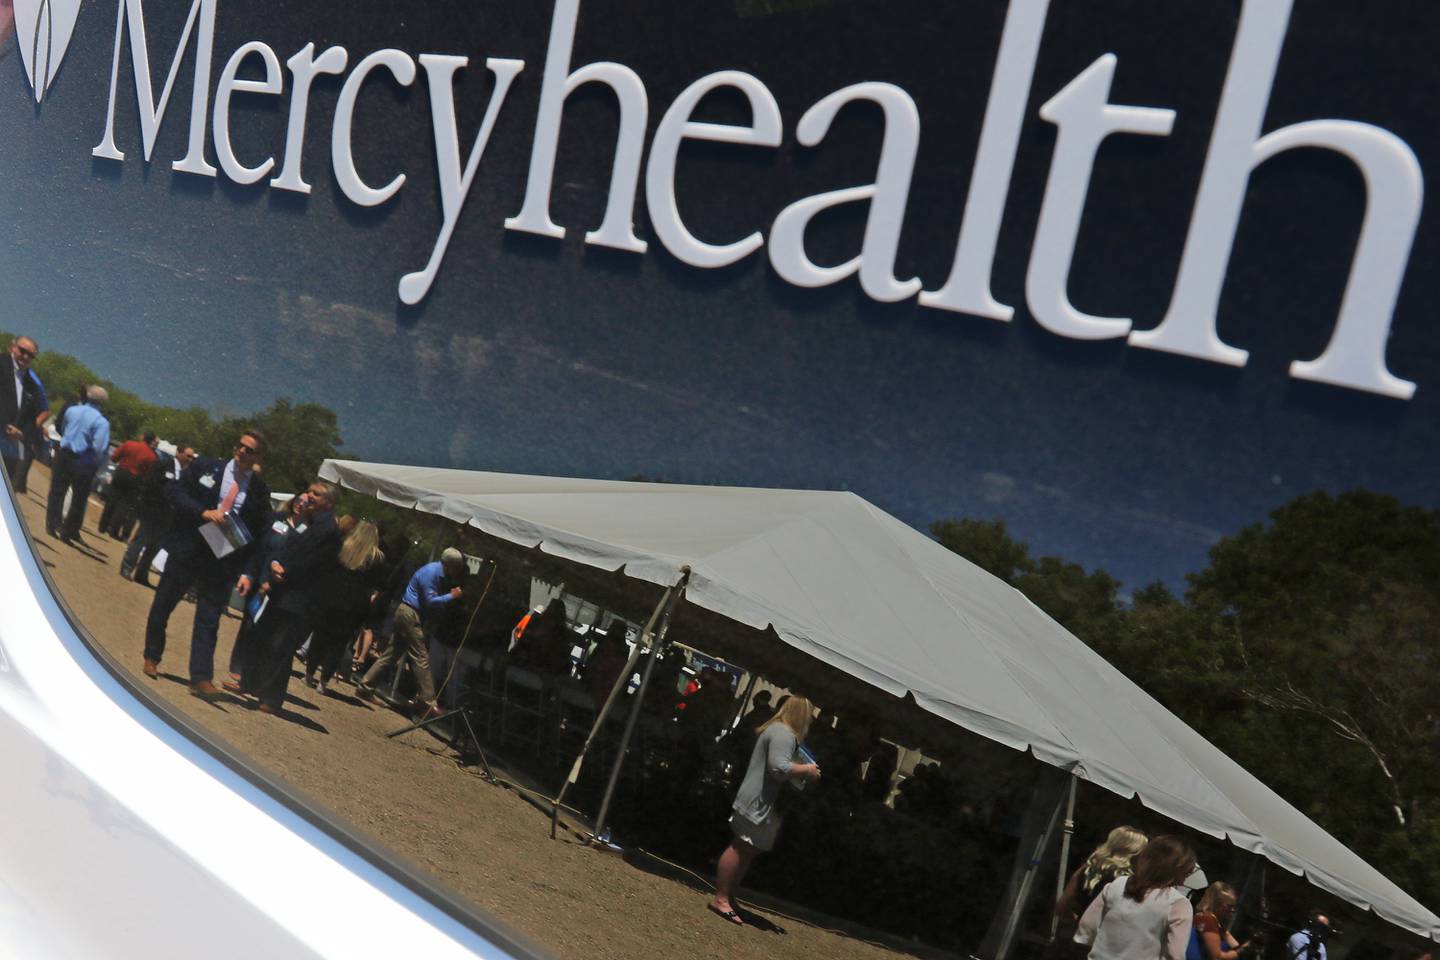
[
  {"x": 621, "y": 682},
  {"x": 1039, "y": 826},
  {"x": 744, "y": 702},
  {"x": 1246, "y": 888},
  {"x": 1069, "y": 831},
  {"x": 656, "y": 645},
  {"x": 435, "y": 541}
]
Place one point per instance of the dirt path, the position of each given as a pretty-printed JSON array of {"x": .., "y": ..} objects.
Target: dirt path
[{"x": 484, "y": 842}]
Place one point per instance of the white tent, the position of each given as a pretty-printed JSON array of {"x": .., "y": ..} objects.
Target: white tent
[{"x": 845, "y": 582}]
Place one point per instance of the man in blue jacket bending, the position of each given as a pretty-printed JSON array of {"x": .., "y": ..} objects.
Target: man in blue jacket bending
[{"x": 429, "y": 590}]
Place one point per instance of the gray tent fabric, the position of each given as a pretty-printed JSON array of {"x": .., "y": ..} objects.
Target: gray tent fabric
[{"x": 845, "y": 582}]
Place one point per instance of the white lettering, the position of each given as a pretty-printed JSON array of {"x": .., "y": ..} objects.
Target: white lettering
[
  {"x": 968, "y": 288},
  {"x": 1085, "y": 117},
  {"x": 272, "y": 85},
  {"x": 887, "y": 196},
  {"x": 342, "y": 149},
  {"x": 304, "y": 67},
  {"x": 675, "y": 126},
  {"x": 618, "y": 228},
  {"x": 1355, "y": 356},
  {"x": 131, "y": 15},
  {"x": 454, "y": 185}
]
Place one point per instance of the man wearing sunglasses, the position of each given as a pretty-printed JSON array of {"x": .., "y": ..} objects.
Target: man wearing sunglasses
[
  {"x": 211, "y": 495},
  {"x": 23, "y": 408}
]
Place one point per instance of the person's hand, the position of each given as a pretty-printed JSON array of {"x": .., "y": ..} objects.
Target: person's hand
[
  {"x": 264, "y": 589},
  {"x": 809, "y": 770},
  {"x": 277, "y": 572},
  {"x": 214, "y": 516},
  {"x": 242, "y": 586},
  {"x": 455, "y": 593},
  {"x": 13, "y": 432}
]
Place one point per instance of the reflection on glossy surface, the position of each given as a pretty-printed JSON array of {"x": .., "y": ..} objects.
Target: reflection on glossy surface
[
  {"x": 217, "y": 302},
  {"x": 488, "y": 843}
]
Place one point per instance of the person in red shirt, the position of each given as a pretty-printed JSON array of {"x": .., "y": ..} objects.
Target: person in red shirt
[{"x": 134, "y": 459}]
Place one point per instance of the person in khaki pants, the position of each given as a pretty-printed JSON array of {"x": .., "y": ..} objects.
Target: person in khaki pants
[{"x": 425, "y": 598}]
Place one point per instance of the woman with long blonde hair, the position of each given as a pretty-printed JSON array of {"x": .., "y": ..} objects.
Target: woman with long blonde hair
[
  {"x": 353, "y": 580},
  {"x": 1106, "y": 862},
  {"x": 774, "y": 762},
  {"x": 1216, "y": 907}
]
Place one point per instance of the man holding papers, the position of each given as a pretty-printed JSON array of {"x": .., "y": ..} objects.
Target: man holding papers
[{"x": 219, "y": 508}]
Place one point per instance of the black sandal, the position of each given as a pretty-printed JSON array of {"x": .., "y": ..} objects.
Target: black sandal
[{"x": 730, "y": 915}]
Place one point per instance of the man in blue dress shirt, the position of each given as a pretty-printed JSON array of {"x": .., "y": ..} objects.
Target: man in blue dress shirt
[
  {"x": 431, "y": 588},
  {"x": 84, "y": 444},
  {"x": 1309, "y": 944}
]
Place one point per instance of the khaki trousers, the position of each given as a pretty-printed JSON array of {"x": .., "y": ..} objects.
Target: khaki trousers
[{"x": 410, "y": 639}]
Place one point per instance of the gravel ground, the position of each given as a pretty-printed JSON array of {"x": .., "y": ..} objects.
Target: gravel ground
[{"x": 485, "y": 843}]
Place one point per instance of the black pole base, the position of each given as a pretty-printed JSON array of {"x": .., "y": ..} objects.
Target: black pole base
[{"x": 464, "y": 714}]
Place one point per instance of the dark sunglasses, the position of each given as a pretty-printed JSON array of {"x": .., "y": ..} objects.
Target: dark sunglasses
[{"x": 28, "y": 354}]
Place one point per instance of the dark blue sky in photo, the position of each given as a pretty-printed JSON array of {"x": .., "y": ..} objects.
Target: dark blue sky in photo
[{"x": 545, "y": 356}]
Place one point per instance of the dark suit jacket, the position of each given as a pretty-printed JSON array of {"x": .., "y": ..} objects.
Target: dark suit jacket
[
  {"x": 23, "y": 415},
  {"x": 198, "y": 490},
  {"x": 309, "y": 560},
  {"x": 268, "y": 546}
]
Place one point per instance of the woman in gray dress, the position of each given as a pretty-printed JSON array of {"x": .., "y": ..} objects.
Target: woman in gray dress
[{"x": 755, "y": 822}]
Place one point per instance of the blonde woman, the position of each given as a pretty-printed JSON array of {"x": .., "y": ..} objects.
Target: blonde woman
[
  {"x": 1109, "y": 860},
  {"x": 350, "y": 588},
  {"x": 755, "y": 823},
  {"x": 1216, "y": 907},
  {"x": 1145, "y": 916}
]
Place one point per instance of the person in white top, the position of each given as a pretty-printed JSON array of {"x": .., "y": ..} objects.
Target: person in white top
[{"x": 1145, "y": 916}]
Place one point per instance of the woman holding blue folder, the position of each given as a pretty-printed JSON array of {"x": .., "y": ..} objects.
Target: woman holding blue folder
[{"x": 776, "y": 760}]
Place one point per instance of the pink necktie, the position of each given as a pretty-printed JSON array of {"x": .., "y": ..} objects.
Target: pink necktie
[{"x": 229, "y": 500}]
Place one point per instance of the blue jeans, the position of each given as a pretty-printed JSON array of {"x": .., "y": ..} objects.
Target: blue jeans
[{"x": 212, "y": 582}]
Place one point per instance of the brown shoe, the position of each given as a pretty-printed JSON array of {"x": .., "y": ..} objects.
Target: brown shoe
[
  {"x": 205, "y": 690},
  {"x": 150, "y": 668},
  {"x": 268, "y": 710},
  {"x": 233, "y": 686}
]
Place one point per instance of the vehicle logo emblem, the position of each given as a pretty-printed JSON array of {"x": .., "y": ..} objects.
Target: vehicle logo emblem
[{"x": 42, "y": 30}]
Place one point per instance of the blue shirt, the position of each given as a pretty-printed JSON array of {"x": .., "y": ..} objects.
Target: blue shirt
[
  {"x": 86, "y": 434},
  {"x": 1299, "y": 947},
  {"x": 424, "y": 592}
]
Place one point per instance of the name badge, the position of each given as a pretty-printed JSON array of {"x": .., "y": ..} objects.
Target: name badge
[
  {"x": 207, "y": 481},
  {"x": 300, "y": 528},
  {"x": 278, "y": 526}
]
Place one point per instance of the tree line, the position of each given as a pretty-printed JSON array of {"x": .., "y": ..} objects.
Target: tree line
[
  {"x": 300, "y": 435},
  {"x": 1305, "y": 650}
]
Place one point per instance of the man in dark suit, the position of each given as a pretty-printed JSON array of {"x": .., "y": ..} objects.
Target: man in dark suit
[
  {"x": 154, "y": 511},
  {"x": 23, "y": 407},
  {"x": 211, "y": 497},
  {"x": 293, "y": 586}
]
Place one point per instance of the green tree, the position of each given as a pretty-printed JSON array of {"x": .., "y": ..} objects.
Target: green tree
[
  {"x": 1327, "y": 624},
  {"x": 985, "y": 543}
]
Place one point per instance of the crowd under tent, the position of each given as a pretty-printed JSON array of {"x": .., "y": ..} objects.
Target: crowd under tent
[{"x": 828, "y": 578}]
